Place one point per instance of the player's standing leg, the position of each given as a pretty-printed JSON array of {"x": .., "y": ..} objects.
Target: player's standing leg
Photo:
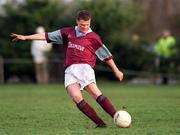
[
  {"x": 38, "y": 72},
  {"x": 75, "y": 93},
  {"x": 104, "y": 102}
]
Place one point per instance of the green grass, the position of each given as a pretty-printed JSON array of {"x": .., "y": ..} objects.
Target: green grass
[{"x": 47, "y": 110}]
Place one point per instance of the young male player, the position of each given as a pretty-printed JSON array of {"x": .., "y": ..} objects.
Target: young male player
[{"x": 81, "y": 46}]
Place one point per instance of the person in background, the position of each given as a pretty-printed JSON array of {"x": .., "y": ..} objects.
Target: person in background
[
  {"x": 39, "y": 50},
  {"x": 166, "y": 51}
]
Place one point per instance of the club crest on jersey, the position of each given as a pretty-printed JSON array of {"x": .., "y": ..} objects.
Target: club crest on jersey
[
  {"x": 69, "y": 36},
  {"x": 76, "y": 46}
]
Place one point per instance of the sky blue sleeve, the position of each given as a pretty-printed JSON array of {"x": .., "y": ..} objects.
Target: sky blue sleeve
[
  {"x": 103, "y": 53},
  {"x": 55, "y": 37}
]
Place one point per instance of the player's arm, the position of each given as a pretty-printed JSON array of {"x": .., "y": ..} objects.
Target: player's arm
[
  {"x": 116, "y": 71},
  {"x": 39, "y": 36},
  {"x": 104, "y": 55}
]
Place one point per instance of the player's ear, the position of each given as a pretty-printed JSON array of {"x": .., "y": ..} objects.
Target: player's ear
[{"x": 77, "y": 21}]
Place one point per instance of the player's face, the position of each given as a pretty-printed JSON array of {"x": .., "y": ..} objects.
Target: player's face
[{"x": 83, "y": 25}]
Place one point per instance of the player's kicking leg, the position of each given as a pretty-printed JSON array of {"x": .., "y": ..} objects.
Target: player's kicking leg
[
  {"x": 101, "y": 99},
  {"x": 75, "y": 93}
]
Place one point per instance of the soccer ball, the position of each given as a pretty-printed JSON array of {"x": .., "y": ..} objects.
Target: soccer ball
[{"x": 122, "y": 119}]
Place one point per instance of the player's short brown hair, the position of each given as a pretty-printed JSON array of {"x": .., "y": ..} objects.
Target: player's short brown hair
[{"x": 83, "y": 15}]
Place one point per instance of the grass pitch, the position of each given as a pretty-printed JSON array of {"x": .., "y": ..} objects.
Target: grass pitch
[{"x": 48, "y": 110}]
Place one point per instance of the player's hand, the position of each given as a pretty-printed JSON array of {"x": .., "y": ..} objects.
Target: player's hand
[
  {"x": 119, "y": 75},
  {"x": 17, "y": 37}
]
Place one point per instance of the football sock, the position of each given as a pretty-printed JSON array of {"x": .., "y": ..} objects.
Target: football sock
[
  {"x": 106, "y": 105},
  {"x": 90, "y": 112}
]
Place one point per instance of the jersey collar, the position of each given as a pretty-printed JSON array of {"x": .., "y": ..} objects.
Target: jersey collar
[{"x": 79, "y": 33}]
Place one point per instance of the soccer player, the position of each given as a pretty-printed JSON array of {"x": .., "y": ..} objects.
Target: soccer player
[{"x": 82, "y": 46}]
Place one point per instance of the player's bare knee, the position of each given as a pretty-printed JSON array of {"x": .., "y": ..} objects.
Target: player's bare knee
[{"x": 77, "y": 99}]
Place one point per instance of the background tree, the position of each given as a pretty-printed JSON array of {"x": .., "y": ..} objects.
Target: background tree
[
  {"x": 24, "y": 19},
  {"x": 113, "y": 20}
]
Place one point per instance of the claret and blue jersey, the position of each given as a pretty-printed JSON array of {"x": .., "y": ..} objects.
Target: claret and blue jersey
[{"x": 79, "y": 47}]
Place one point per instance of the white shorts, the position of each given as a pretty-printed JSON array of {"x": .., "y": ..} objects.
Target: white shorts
[{"x": 79, "y": 73}]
